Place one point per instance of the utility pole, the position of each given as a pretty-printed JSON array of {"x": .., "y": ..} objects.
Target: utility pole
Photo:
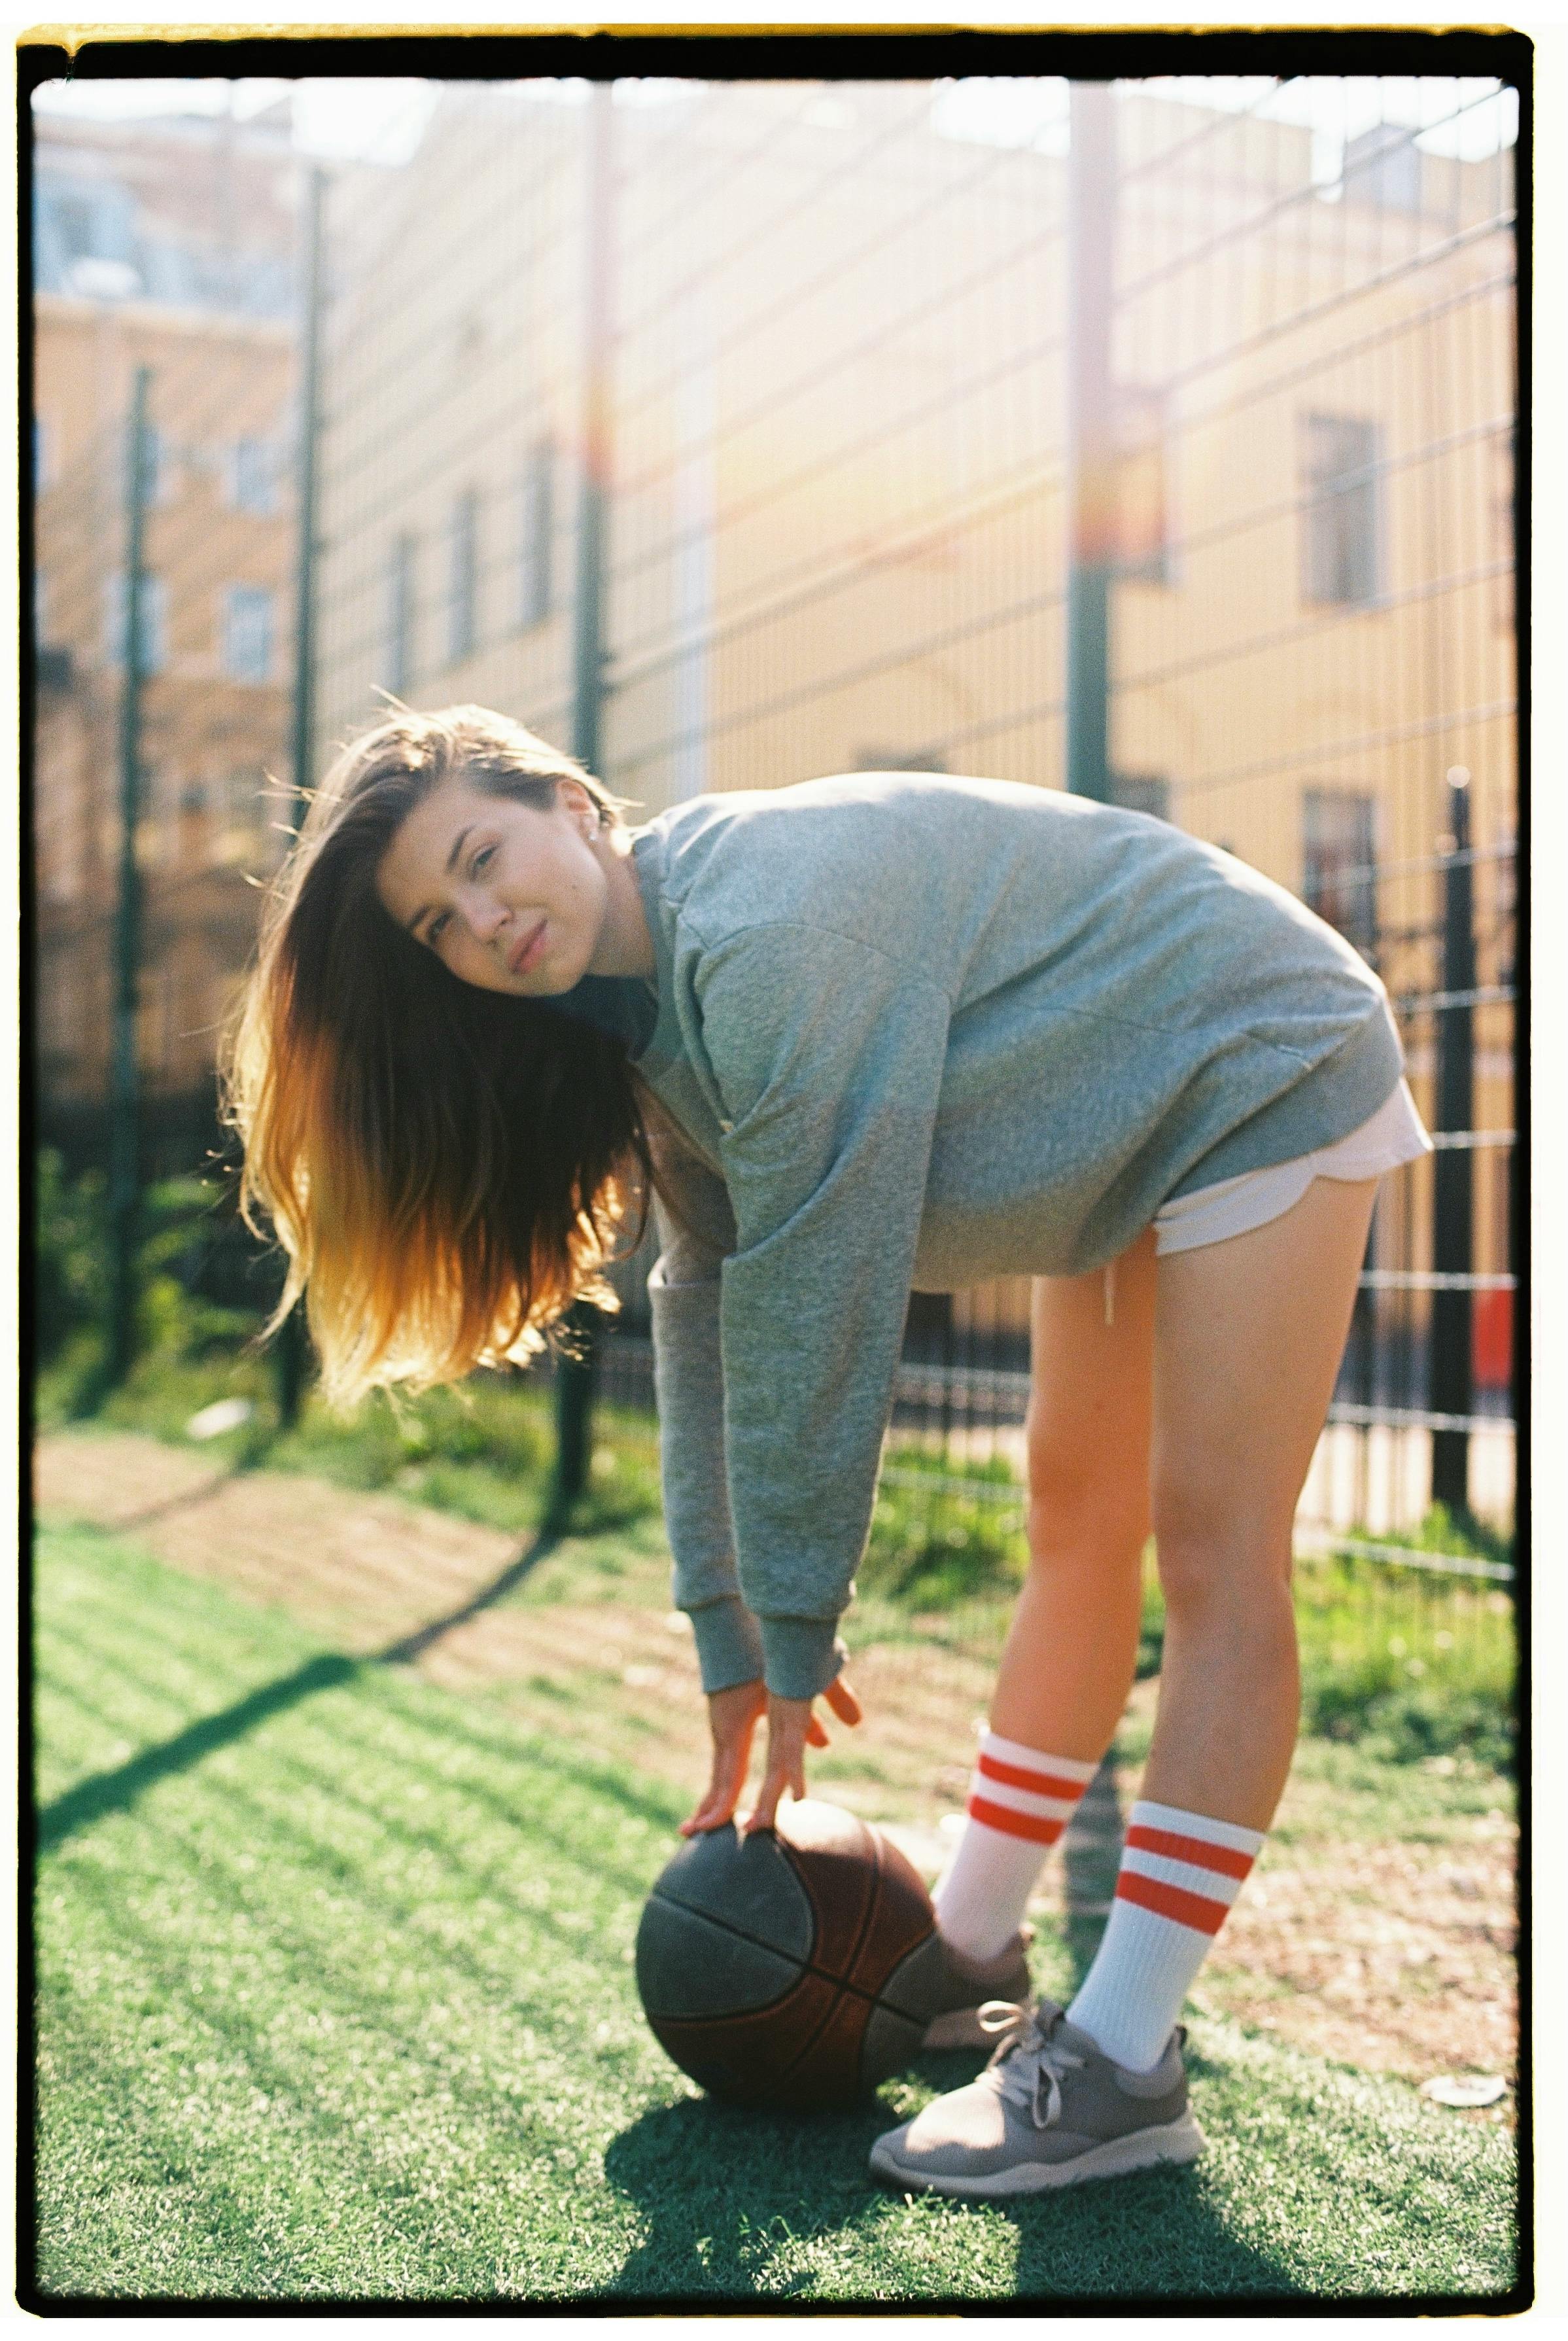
[
  {"x": 1091, "y": 435},
  {"x": 291, "y": 1354},
  {"x": 1452, "y": 1246},
  {"x": 124, "y": 1163},
  {"x": 577, "y": 1369}
]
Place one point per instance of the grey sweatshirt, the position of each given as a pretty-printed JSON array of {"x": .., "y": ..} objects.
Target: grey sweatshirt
[{"x": 912, "y": 1032}]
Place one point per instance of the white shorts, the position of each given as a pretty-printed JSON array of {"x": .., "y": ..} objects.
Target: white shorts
[{"x": 1394, "y": 1135}]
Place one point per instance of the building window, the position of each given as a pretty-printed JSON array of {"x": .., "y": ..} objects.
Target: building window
[
  {"x": 252, "y": 476},
  {"x": 248, "y": 623},
  {"x": 1339, "y": 878},
  {"x": 154, "y": 626},
  {"x": 401, "y": 615},
  {"x": 1142, "y": 792},
  {"x": 463, "y": 577},
  {"x": 536, "y": 597},
  {"x": 1341, "y": 536},
  {"x": 1143, "y": 531},
  {"x": 1383, "y": 167}
]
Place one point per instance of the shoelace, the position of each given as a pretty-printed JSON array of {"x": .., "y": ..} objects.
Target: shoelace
[{"x": 1029, "y": 2056}]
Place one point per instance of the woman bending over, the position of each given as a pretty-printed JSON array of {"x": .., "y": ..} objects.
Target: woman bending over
[{"x": 864, "y": 1036}]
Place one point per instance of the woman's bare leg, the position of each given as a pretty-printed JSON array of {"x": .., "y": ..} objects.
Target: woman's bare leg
[
  {"x": 1072, "y": 1645},
  {"x": 1072, "y": 1641},
  {"x": 1248, "y": 1337}
]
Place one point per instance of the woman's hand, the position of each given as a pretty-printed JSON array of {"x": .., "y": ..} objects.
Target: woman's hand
[{"x": 733, "y": 1715}]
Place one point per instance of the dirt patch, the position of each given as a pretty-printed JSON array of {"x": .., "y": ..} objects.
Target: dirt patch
[{"x": 1390, "y": 1955}]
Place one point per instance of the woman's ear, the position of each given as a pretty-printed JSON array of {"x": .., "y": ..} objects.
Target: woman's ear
[{"x": 581, "y": 806}]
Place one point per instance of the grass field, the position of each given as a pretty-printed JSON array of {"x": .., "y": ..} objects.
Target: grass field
[
  {"x": 335, "y": 2002},
  {"x": 1415, "y": 1663}
]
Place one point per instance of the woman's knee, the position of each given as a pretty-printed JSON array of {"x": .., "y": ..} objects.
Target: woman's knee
[
  {"x": 1217, "y": 1553},
  {"x": 1079, "y": 1503}
]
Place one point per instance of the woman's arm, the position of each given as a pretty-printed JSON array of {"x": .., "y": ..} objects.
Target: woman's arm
[
  {"x": 827, "y": 1054},
  {"x": 696, "y": 1229}
]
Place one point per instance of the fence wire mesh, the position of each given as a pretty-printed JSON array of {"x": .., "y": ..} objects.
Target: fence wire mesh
[{"x": 837, "y": 473}]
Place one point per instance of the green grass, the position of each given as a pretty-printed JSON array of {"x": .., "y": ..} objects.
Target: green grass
[
  {"x": 340, "y": 2007},
  {"x": 1417, "y": 1663},
  {"x": 485, "y": 1452}
]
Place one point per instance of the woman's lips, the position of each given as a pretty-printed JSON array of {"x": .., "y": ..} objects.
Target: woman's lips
[{"x": 528, "y": 950}]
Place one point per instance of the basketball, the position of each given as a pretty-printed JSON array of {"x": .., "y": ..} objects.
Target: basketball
[{"x": 793, "y": 1969}]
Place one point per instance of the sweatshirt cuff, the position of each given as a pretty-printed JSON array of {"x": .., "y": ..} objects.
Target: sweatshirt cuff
[
  {"x": 802, "y": 1655},
  {"x": 729, "y": 1646}
]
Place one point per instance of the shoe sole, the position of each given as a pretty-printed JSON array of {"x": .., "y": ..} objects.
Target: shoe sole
[{"x": 1174, "y": 2142}]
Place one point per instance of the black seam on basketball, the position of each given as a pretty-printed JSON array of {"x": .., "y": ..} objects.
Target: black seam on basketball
[
  {"x": 763, "y": 2007},
  {"x": 805, "y": 2050},
  {"x": 872, "y": 1899},
  {"x": 791, "y": 1855},
  {"x": 806, "y": 1966}
]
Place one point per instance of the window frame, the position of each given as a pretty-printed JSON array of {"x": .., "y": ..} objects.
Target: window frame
[
  {"x": 262, "y": 598},
  {"x": 1325, "y": 495}
]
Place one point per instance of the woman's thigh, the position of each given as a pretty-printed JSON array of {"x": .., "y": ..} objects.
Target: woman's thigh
[
  {"x": 1090, "y": 1395},
  {"x": 1248, "y": 1341}
]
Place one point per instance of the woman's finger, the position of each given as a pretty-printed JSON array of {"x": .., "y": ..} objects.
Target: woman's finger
[
  {"x": 717, "y": 1806},
  {"x": 764, "y": 1813},
  {"x": 788, "y": 1730},
  {"x": 726, "y": 1777},
  {"x": 842, "y": 1700}
]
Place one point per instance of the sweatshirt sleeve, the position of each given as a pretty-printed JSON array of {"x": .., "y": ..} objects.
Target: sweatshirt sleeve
[
  {"x": 827, "y": 1055},
  {"x": 696, "y": 1229}
]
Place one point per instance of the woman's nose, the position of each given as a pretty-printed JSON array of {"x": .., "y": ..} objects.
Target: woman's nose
[{"x": 485, "y": 916}]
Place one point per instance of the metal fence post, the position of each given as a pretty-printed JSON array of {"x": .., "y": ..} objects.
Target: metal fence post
[
  {"x": 1091, "y": 1858},
  {"x": 576, "y": 1369},
  {"x": 1093, "y": 1844},
  {"x": 291, "y": 1354},
  {"x": 124, "y": 1165},
  {"x": 1091, "y": 436},
  {"x": 1452, "y": 1248}
]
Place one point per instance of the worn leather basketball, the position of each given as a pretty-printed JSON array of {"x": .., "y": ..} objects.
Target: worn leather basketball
[{"x": 792, "y": 1969}]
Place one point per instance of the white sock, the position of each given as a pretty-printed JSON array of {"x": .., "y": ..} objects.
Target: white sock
[
  {"x": 1020, "y": 1801},
  {"x": 1180, "y": 1873}
]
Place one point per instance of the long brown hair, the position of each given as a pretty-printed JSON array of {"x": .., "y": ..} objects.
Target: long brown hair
[{"x": 446, "y": 1168}]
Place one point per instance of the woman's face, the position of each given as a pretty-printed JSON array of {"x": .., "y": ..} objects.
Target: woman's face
[{"x": 509, "y": 897}]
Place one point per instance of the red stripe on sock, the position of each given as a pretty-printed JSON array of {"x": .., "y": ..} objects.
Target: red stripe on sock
[
  {"x": 1197, "y": 1849},
  {"x": 1014, "y": 1776},
  {"x": 1195, "y": 1910},
  {"x": 1012, "y": 1824}
]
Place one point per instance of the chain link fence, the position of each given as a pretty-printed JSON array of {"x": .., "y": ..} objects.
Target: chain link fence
[{"x": 821, "y": 358}]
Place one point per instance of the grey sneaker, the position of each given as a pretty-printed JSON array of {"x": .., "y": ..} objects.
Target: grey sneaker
[
  {"x": 957, "y": 1988},
  {"x": 1049, "y": 2110}
]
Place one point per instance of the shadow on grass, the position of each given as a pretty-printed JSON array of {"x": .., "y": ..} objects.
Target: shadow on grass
[
  {"x": 179, "y": 1503},
  {"x": 727, "y": 2192},
  {"x": 115, "y": 1790}
]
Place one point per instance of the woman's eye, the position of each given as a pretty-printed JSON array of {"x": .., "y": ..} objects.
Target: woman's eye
[
  {"x": 486, "y": 853},
  {"x": 432, "y": 933}
]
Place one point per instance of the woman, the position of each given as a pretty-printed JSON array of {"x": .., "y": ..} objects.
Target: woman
[{"x": 865, "y": 1035}]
